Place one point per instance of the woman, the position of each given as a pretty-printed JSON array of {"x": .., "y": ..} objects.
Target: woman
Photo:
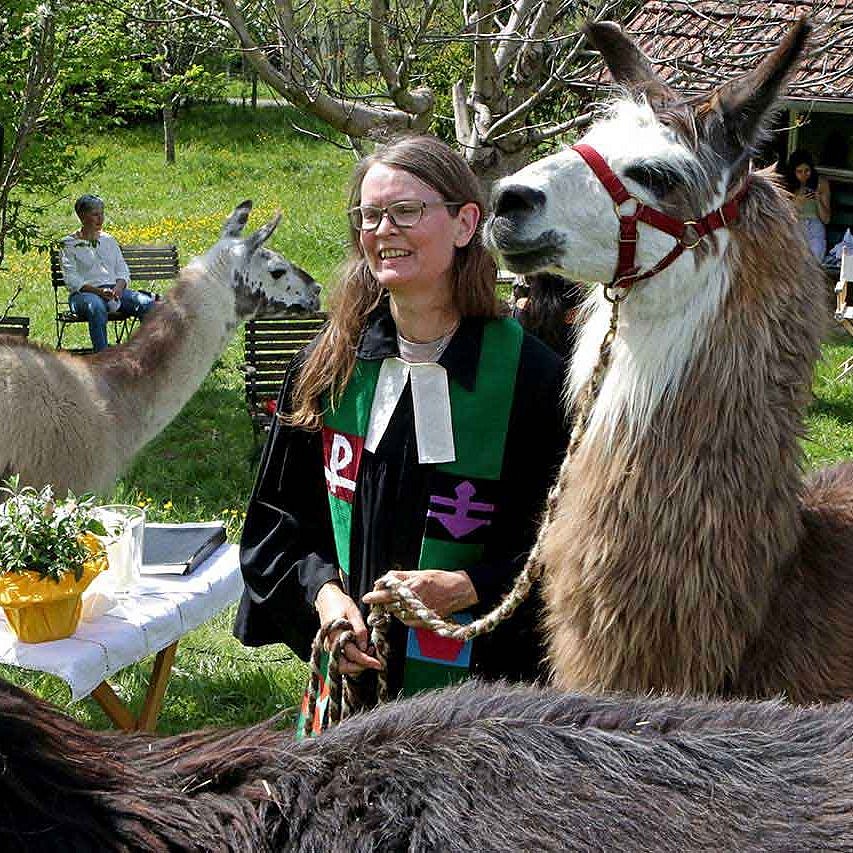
[
  {"x": 418, "y": 431},
  {"x": 96, "y": 274},
  {"x": 811, "y": 199}
]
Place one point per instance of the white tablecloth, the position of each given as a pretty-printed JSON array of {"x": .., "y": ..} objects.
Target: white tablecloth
[{"x": 160, "y": 610}]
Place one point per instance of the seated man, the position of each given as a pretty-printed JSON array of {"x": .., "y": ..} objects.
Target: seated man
[{"x": 96, "y": 274}]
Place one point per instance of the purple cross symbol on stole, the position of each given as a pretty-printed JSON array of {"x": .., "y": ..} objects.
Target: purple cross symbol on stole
[{"x": 458, "y": 523}]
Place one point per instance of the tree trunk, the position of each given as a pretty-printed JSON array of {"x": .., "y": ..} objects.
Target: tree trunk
[{"x": 169, "y": 133}]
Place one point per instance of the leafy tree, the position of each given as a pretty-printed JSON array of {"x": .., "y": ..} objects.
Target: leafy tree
[
  {"x": 35, "y": 126},
  {"x": 143, "y": 59},
  {"x": 63, "y": 73}
]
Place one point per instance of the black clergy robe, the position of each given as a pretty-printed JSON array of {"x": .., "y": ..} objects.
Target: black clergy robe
[{"x": 287, "y": 550}]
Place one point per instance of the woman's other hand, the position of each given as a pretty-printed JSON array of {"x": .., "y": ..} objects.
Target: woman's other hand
[
  {"x": 442, "y": 591},
  {"x": 333, "y": 603}
]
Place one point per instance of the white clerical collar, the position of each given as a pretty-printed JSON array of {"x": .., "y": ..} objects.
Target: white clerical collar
[{"x": 431, "y": 403}]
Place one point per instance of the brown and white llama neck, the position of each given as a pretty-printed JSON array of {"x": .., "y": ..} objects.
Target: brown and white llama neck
[{"x": 165, "y": 363}]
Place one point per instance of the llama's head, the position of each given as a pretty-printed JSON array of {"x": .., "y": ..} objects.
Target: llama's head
[
  {"x": 683, "y": 158},
  {"x": 264, "y": 282}
]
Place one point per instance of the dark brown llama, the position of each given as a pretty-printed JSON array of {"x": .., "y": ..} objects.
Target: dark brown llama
[
  {"x": 480, "y": 767},
  {"x": 687, "y": 553}
]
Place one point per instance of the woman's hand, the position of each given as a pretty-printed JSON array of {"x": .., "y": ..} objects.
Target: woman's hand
[
  {"x": 333, "y": 603},
  {"x": 822, "y": 196},
  {"x": 442, "y": 591}
]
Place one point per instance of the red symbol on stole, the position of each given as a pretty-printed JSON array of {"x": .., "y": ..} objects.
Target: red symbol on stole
[
  {"x": 341, "y": 458},
  {"x": 438, "y": 648}
]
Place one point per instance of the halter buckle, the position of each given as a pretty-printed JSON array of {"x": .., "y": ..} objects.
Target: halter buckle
[
  {"x": 691, "y": 223},
  {"x": 612, "y": 295},
  {"x": 617, "y": 206}
]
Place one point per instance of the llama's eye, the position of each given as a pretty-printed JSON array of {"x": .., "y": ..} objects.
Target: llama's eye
[{"x": 659, "y": 178}]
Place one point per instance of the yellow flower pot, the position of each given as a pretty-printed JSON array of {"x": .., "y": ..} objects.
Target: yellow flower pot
[{"x": 39, "y": 609}]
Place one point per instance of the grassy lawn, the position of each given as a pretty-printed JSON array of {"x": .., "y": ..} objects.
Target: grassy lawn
[{"x": 201, "y": 467}]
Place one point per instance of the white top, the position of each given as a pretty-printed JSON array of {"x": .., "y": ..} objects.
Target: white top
[
  {"x": 159, "y": 610},
  {"x": 100, "y": 265}
]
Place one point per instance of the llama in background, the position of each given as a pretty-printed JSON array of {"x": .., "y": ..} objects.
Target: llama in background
[
  {"x": 76, "y": 422},
  {"x": 686, "y": 552}
]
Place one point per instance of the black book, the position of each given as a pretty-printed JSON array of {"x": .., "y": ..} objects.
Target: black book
[{"x": 177, "y": 549}]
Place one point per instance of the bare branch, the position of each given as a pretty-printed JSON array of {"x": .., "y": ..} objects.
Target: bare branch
[
  {"x": 461, "y": 118},
  {"x": 347, "y": 116}
]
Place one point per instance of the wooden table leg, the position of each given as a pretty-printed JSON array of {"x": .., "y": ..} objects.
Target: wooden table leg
[
  {"x": 157, "y": 688},
  {"x": 114, "y": 708},
  {"x": 121, "y": 715}
]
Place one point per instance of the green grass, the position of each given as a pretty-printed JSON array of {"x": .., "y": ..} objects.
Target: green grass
[
  {"x": 239, "y": 88},
  {"x": 201, "y": 466}
]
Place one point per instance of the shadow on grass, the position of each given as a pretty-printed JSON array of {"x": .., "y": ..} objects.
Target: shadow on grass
[
  {"x": 203, "y": 462},
  {"x": 841, "y": 408}
]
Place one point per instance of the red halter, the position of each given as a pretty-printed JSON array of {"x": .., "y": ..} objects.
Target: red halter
[{"x": 627, "y": 273}]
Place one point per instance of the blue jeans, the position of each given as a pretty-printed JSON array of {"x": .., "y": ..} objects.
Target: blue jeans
[{"x": 91, "y": 307}]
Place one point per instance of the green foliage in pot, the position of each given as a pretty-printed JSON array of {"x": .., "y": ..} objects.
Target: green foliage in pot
[{"x": 42, "y": 534}]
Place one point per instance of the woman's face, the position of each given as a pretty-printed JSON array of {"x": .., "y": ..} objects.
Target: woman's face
[
  {"x": 417, "y": 258},
  {"x": 92, "y": 219},
  {"x": 803, "y": 172}
]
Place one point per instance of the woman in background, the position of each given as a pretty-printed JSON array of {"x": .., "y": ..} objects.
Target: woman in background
[{"x": 811, "y": 199}]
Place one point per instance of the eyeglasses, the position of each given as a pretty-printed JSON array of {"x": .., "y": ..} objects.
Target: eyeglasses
[{"x": 402, "y": 214}]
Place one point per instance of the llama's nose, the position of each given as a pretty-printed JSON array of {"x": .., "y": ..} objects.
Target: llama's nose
[{"x": 517, "y": 199}]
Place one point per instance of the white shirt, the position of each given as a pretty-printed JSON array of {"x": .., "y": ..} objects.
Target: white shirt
[{"x": 100, "y": 266}]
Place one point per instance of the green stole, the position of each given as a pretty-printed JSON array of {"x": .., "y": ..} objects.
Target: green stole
[{"x": 452, "y": 538}]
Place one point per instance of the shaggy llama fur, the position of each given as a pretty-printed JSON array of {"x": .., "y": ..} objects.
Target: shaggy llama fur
[
  {"x": 76, "y": 421},
  {"x": 687, "y": 553},
  {"x": 489, "y": 768}
]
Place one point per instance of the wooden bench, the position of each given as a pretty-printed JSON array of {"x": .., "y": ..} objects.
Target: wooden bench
[
  {"x": 147, "y": 263},
  {"x": 18, "y": 326},
  {"x": 269, "y": 344}
]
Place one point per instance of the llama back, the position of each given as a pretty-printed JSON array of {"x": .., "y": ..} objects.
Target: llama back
[
  {"x": 52, "y": 430},
  {"x": 805, "y": 649},
  {"x": 479, "y": 767}
]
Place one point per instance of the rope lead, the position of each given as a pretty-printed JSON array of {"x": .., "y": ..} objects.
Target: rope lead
[{"x": 408, "y": 607}]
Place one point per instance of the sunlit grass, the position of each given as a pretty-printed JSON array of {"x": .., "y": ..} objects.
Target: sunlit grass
[{"x": 201, "y": 466}]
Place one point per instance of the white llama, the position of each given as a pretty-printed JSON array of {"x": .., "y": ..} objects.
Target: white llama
[
  {"x": 685, "y": 552},
  {"x": 77, "y": 421}
]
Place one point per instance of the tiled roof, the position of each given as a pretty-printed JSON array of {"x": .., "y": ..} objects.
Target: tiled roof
[{"x": 697, "y": 45}]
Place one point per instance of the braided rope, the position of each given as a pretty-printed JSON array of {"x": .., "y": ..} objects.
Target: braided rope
[
  {"x": 407, "y": 606},
  {"x": 340, "y": 704}
]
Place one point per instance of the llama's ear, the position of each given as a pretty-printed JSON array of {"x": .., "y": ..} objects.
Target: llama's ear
[
  {"x": 254, "y": 241},
  {"x": 736, "y": 113},
  {"x": 237, "y": 220},
  {"x": 628, "y": 65}
]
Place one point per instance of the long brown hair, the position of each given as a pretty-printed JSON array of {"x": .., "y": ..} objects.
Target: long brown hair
[{"x": 473, "y": 275}]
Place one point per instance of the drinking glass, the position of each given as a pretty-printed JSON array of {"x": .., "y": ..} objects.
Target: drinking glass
[{"x": 125, "y": 531}]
